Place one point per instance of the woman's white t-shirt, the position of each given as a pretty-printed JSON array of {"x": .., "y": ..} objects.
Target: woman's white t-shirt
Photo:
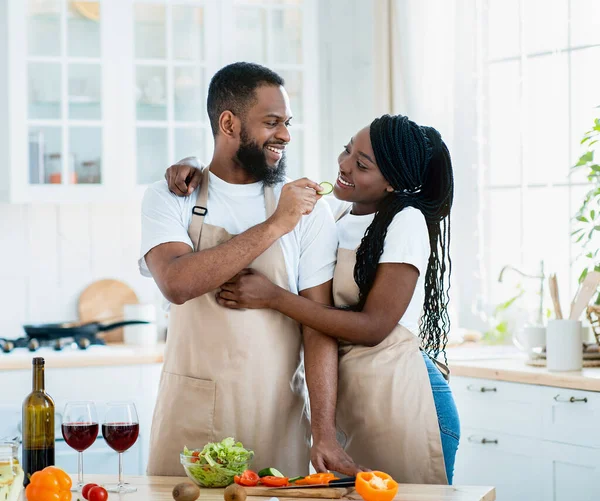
[{"x": 407, "y": 241}]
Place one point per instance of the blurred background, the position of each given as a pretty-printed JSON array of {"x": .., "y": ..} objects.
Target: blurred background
[{"x": 98, "y": 98}]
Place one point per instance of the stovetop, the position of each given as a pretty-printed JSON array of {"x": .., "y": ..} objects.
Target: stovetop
[{"x": 58, "y": 344}]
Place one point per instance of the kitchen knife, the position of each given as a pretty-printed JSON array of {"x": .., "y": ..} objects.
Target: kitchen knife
[{"x": 342, "y": 482}]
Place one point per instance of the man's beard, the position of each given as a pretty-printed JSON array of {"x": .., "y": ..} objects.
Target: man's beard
[{"x": 254, "y": 161}]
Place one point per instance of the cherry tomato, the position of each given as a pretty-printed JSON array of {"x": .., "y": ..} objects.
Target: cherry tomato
[
  {"x": 98, "y": 494},
  {"x": 274, "y": 481},
  {"x": 86, "y": 490},
  {"x": 248, "y": 479}
]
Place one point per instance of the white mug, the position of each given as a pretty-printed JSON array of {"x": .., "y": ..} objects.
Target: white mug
[
  {"x": 530, "y": 337},
  {"x": 564, "y": 345},
  {"x": 140, "y": 334}
]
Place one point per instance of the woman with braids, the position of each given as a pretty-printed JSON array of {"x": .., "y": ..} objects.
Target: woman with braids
[{"x": 390, "y": 289}]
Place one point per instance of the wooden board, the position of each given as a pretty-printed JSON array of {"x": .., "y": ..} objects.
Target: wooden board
[
  {"x": 316, "y": 492},
  {"x": 104, "y": 300}
]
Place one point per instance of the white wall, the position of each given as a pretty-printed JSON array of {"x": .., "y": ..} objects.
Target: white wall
[{"x": 50, "y": 253}]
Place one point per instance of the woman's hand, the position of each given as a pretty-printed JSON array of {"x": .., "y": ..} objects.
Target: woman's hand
[
  {"x": 184, "y": 176},
  {"x": 248, "y": 289}
]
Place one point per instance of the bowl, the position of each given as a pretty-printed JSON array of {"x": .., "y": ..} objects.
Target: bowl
[{"x": 205, "y": 475}]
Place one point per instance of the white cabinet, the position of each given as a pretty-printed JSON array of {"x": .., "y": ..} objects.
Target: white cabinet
[
  {"x": 97, "y": 98},
  {"x": 137, "y": 383},
  {"x": 530, "y": 442},
  {"x": 574, "y": 472},
  {"x": 509, "y": 463}
]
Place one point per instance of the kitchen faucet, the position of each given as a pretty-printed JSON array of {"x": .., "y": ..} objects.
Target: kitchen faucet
[{"x": 541, "y": 276}]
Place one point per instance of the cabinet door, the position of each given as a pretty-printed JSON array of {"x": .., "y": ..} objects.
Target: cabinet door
[
  {"x": 510, "y": 464},
  {"x": 574, "y": 472},
  {"x": 498, "y": 406}
]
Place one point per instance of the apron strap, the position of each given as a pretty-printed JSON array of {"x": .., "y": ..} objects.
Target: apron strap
[
  {"x": 342, "y": 211},
  {"x": 199, "y": 210},
  {"x": 442, "y": 367},
  {"x": 270, "y": 204}
]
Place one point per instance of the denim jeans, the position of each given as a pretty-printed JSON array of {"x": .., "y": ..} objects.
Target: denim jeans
[{"x": 447, "y": 416}]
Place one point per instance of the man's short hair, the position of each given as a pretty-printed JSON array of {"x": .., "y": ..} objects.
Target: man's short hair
[{"x": 232, "y": 88}]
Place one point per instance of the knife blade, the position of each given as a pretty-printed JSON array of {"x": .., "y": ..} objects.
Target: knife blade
[{"x": 342, "y": 482}]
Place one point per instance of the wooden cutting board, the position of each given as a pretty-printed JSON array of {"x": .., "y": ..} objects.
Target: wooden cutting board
[
  {"x": 103, "y": 300},
  {"x": 315, "y": 492}
]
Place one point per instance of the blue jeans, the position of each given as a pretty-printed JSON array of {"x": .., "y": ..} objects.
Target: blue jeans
[{"x": 447, "y": 416}]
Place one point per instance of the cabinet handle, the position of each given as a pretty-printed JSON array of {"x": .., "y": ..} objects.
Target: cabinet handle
[
  {"x": 570, "y": 400},
  {"x": 475, "y": 440},
  {"x": 481, "y": 389}
]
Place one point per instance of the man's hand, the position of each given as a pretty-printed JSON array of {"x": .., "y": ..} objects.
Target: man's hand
[
  {"x": 184, "y": 176},
  {"x": 298, "y": 199},
  {"x": 328, "y": 455}
]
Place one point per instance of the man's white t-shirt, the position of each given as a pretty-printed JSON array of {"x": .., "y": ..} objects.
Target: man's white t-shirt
[
  {"x": 309, "y": 250},
  {"x": 407, "y": 241}
]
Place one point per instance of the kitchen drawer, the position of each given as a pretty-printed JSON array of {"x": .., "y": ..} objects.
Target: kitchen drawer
[
  {"x": 571, "y": 416},
  {"x": 486, "y": 404},
  {"x": 508, "y": 462}
]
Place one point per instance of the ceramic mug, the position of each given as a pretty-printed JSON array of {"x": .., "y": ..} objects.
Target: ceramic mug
[
  {"x": 530, "y": 337},
  {"x": 564, "y": 345}
]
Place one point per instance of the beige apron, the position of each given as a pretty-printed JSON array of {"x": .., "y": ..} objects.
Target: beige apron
[
  {"x": 229, "y": 372},
  {"x": 385, "y": 404}
]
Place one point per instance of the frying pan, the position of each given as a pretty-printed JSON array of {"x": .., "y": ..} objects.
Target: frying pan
[{"x": 73, "y": 329}]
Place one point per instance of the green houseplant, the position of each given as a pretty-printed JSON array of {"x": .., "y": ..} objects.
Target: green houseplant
[{"x": 587, "y": 219}]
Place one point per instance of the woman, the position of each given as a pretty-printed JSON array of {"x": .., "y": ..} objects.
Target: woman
[{"x": 392, "y": 261}]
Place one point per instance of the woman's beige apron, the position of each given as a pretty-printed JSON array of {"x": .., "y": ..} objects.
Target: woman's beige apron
[
  {"x": 228, "y": 373},
  {"x": 385, "y": 405}
]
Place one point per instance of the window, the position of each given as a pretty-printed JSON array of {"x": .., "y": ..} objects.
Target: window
[{"x": 541, "y": 87}]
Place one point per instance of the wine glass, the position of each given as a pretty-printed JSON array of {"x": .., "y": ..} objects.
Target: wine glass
[
  {"x": 120, "y": 429},
  {"x": 79, "y": 429}
]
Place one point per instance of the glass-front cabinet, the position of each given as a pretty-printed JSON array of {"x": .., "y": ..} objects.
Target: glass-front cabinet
[{"x": 102, "y": 96}]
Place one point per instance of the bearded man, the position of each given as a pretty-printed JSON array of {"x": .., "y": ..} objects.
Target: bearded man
[{"x": 240, "y": 373}]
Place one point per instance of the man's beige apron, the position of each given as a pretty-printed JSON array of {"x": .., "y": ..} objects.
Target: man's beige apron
[
  {"x": 385, "y": 404},
  {"x": 229, "y": 372}
]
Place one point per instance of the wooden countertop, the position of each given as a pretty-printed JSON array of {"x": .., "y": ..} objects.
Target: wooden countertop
[
  {"x": 111, "y": 354},
  {"x": 504, "y": 364},
  {"x": 160, "y": 488}
]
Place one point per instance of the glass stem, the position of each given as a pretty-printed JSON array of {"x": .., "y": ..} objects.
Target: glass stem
[
  {"x": 80, "y": 469},
  {"x": 120, "y": 469}
]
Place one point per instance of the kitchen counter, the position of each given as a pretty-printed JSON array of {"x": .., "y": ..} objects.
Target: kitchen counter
[
  {"x": 508, "y": 364},
  {"x": 94, "y": 356},
  {"x": 159, "y": 489}
]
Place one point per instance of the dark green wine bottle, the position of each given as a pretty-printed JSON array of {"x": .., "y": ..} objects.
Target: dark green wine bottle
[{"x": 38, "y": 425}]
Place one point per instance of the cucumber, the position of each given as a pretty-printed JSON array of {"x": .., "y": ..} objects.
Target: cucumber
[
  {"x": 270, "y": 472},
  {"x": 293, "y": 479},
  {"x": 327, "y": 188}
]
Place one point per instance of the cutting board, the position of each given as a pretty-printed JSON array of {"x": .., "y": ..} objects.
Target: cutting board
[
  {"x": 103, "y": 300},
  {"x": 316, "y": 492}
]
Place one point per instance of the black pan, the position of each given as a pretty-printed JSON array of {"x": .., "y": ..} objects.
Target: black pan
[{"x": 73, "y": 329}]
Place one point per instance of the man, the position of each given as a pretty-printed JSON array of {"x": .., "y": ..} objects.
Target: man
[{"x": 231, "y": 373}]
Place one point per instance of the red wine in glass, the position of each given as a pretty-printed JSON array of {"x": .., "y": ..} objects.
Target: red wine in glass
[
  {"x": 79, "y": 436},
  {"x": 79, "y": 429},
  {"x": 120, "y": 436}
]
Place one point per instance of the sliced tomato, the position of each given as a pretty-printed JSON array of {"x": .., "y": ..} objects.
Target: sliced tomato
[
  {"x": 270, "y": 481},
  {"x": 247, "y": 479}
]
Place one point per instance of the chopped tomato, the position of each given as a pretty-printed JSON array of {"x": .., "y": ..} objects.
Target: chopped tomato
[
  {"x": 247, "y": 479},
  {"x": 269, "y": 481}
]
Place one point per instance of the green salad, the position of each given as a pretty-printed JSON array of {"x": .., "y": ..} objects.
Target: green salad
[{"x": 217, "y": 463}]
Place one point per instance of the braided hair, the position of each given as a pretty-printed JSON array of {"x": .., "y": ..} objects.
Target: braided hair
[{"x": 416, "y": 163}]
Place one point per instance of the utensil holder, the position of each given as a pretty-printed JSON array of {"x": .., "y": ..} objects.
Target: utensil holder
[{"x": 564, "y": 345}]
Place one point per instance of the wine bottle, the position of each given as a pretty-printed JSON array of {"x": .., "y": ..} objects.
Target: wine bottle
[{"x": 38, "y": 425}]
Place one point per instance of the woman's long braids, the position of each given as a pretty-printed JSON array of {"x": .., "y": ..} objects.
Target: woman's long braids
[{"x": 416, "y": 162}]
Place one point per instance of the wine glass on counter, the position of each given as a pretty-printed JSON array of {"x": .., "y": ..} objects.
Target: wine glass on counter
[
  {"x": 79, "y": 429},
  {"x": 120, "y": 430}
]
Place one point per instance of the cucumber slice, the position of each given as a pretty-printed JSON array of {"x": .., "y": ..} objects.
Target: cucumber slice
[
  {"x": 327, "y": 188},
  {"x": 270, "y": 472},
  {"x": 293, "y": 479}
]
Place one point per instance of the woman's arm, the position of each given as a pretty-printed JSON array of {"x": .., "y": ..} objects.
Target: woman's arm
[{"x": 388, "y": 299}]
